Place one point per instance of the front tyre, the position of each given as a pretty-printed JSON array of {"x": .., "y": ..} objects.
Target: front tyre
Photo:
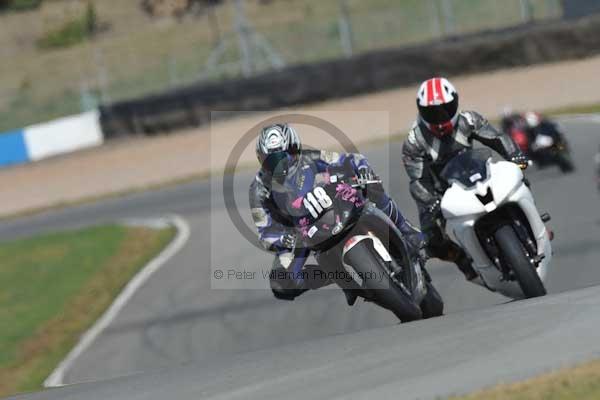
[
  {"x": 432, "y": 305},
  {"x": 382, "y": 290},
  {"x": 514, "y": 253}
]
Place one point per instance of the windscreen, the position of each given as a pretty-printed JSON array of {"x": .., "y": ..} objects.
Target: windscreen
[{"x": 467, "y": 168}]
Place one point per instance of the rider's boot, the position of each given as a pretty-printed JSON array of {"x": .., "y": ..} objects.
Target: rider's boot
[
  {"x": 464, "y": 264},
  {"x": 351, "y": 296},
  {"x": 462, "y": 261},
  {"x": 415, "y": 238}
]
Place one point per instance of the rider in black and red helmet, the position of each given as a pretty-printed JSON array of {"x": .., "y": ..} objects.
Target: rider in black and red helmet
[
  {"x": 437, "y": 101},
  {"x": 442, "y": 130}
]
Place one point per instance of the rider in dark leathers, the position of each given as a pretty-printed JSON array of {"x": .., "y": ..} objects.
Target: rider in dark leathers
[
  {"x": 438, "y": 134},
  {"x": 543, "y": 140},
  {"x": 280, "y": 144},
  {"x": 532, "y": 123}
]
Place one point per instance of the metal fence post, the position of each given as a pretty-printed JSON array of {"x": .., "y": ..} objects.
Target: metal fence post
[
  {"x": 87, "y": 101},
  {"x": 345, "y": 29},
  {"x": 241, "y": 29},
  {"x": 526, "y": 10},
  {"x": 172, "y": 71},
  {"x": 101, "y": 75},
  {"x": 448, "y": 14},
  {"x": 437, "y": 20}
]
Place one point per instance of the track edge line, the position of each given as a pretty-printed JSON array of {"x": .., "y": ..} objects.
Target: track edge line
[{"x": 55, "y": 379}]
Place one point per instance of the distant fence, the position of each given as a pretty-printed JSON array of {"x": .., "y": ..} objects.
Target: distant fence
[
  {"x": 377, "y": 70},
  {"x": 368, "y": 72},
  {"x": 139, "y": 56}
]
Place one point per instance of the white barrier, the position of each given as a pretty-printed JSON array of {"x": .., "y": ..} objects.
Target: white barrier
[{"x": 63, "y": 135}]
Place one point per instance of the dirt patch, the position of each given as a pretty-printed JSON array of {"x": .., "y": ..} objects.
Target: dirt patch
[{"x": 139, "y": 162}]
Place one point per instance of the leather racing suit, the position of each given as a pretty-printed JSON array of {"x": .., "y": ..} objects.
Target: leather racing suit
[
  {"x": 424, "y": 157},
  {"x": 275, "y": 228}
]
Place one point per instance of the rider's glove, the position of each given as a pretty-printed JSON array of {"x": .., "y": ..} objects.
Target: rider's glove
[
  {"x": 435, "y": 207},
  {"x": 374, "y": 191},
  {"x": 521, "y": 160},
  {"x": 364, "y": 174},
  {"x": 288, "y": 240}
]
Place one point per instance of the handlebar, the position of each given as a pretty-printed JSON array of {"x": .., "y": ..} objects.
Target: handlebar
[
  {"x": 524, "y": 166},
  {"x": 362, "y": 183}
]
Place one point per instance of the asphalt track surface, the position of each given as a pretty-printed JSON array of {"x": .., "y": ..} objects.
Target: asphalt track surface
[{"x": 194, "y": 341}]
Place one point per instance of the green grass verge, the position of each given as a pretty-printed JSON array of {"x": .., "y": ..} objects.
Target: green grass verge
[
  {"x": 53, "y": 288},
  {"x": 578, "y": 383}
]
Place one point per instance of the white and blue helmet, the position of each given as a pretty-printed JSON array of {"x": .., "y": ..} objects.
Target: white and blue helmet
[{"x": 278, "y": 149}]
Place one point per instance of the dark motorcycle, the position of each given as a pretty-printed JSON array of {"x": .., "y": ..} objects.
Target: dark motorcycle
[
  {"x": 548, "y": 148},
  {"x": 359, "y": 247}
]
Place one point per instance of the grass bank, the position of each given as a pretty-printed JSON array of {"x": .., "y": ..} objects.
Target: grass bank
[
  {"x": 578, "y": 383},
  {"x": 53, "y": 287}
]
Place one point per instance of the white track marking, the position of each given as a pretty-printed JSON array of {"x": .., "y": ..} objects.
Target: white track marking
[{"x": 86, "y": 340}]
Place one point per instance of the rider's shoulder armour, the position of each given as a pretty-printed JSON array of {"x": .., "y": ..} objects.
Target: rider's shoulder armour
[
  {"x": 259, "y": 191},
  {"x": 415, "y": 140},
  {"x": 471, "y": 121},
  {"x": 329, "y": 157}
]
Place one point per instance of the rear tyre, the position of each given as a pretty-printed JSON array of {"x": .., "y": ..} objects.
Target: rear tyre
[
  {"x": 382, "y": 290},
  {"x": 514, "y": 253},
  {"x": 432, "y": 305}
]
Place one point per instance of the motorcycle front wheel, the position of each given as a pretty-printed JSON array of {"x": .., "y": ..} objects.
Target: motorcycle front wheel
[
  {"x": 514, "y": 253},
  {"x": 565, "y": 164},
  {"x": 379, "y": 286},
  {"x": 432, "y": 305}
]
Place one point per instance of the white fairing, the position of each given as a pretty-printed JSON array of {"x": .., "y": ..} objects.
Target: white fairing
[{"x": 462, "y": 208}]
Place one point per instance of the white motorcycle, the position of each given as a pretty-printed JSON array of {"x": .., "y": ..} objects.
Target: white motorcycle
[{"x": 490, "y": 212}]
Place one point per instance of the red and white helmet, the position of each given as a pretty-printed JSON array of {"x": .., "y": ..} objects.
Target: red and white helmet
[{"x": 437, "y": 101}]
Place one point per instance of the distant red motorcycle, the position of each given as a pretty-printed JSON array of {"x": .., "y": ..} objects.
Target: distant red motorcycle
[{"x": 540, "y": 139}]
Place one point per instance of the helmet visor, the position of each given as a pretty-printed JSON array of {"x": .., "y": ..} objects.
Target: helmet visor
[
  {"x": 278, "y": 164},
  {"x": 439, "y": 114}
]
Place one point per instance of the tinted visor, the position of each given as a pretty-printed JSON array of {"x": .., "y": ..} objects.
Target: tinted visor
[
  {"x": 439, "y": 114},
  {"x": 278, "y": 164}
]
